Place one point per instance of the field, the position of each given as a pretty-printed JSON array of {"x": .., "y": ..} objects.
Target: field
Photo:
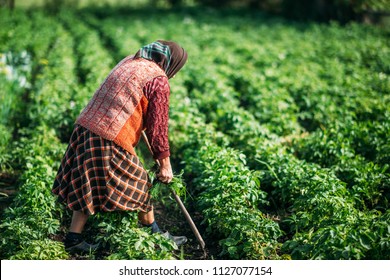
[{"x": 279, "y": 130}]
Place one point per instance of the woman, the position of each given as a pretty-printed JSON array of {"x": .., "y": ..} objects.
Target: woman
[{"x": 100, "y": 170}]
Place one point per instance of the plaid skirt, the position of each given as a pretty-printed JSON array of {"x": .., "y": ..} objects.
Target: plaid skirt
[{"x": 98, "y": 175}]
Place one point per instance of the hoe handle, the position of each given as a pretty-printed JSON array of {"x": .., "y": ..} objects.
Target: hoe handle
[{"x": 180, "y": 203}]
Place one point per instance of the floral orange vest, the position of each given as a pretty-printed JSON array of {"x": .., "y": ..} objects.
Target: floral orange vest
[{"x": 118, "y": 107}]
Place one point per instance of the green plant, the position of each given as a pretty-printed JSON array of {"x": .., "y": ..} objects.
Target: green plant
[
  {"x": 45, "y": 249},
  {"x": 125, "y": 240}
]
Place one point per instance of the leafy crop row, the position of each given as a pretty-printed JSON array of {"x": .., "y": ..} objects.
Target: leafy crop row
[{"x": 33, "y": 216}]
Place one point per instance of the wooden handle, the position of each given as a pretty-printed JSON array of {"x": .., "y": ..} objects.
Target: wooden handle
[{"x": 180, "y": 203}]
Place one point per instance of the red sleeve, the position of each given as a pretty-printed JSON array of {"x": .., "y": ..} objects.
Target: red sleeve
[{"x": 156, "y": 121}]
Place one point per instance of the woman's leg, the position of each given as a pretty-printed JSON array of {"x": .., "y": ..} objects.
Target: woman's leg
[
  {"x": 78, "y": 222},
  {"x": 74, "y": 241},
  {"x": 146, "y": 218}
]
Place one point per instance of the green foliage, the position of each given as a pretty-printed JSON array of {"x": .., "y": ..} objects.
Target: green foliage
[
  {"x": 164, "y": 192},
  {"x": 119, "y": 232},
  {"x": 281, "y": 130},
  {"x": 365, "y": 236},
  {"x": 45, "y": 249},
  {"x": 334, "y": 148},
  {"x": 34, "y": 214},
  {"x": 5, "y": 139},
  {"x": 229, "y": 195}
]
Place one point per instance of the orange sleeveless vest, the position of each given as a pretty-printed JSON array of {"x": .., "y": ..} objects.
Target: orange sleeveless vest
[{"x": 117, "y": 109}]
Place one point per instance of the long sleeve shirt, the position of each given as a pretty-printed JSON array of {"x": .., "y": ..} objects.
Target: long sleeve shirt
[{"x": 157, "y": 115}]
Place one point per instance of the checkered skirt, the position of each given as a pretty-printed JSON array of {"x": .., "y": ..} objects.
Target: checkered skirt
[{"x": 98, "y": 175}]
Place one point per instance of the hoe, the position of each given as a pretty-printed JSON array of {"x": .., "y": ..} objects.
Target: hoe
[{"x": 181, "y": 205}]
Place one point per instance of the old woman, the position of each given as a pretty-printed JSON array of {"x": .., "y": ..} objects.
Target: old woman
[{"x": 100, "y": 170}]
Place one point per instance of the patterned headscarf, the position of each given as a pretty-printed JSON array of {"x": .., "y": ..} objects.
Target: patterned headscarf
[{"x": 167, "y": 54}]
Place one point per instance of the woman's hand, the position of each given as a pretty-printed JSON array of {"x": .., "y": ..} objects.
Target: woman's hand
[{"x": 165, "y": 173}]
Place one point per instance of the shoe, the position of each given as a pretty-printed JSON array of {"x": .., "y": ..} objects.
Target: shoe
[
  {"x": 179, "y": 240},
  {"x": 82, "y": 247}
]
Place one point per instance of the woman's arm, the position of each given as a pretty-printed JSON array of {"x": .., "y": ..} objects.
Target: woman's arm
[{"x": 156, "y": 123}]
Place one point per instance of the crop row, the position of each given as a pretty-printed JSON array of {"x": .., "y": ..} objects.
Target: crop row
[{"x": 33, "y": 216}]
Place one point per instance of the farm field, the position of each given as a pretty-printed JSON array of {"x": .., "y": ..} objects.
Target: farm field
[{"x": 279, "y": 130}]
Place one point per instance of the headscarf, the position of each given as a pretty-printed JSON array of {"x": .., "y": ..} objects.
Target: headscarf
[{"x": 169, "y": 55}]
